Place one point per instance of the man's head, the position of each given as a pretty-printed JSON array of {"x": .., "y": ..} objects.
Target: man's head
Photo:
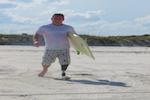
[
  {"x": 58, "y": 14},
  {"x": 57, "y": 19}
]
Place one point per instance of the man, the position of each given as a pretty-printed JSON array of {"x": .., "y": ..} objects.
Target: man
[{"x": 56, "y": 43}]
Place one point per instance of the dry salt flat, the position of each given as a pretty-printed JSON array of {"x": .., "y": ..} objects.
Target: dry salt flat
[{"x": 118, "y": 73}]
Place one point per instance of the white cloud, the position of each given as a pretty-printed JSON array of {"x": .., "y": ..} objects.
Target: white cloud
[
  {"x": 118, "y": 28},
  {"x": 96, "y": 23},
  {"x": 72, "y": 16},
  {"x": 19, "y": 4},
  {"x": 143, "y": 20},
  {"x": 26, "y": 1},
  {"x": 17, "y": 29},
  {"x": 98, "y": 13},
  {"x": 88, "y": 14},
  {"x": 18, "y": 18},
  {"x": 61, "y": 2},
  {"x": 39, "y": 2},
  {"x": 4, "y": 1},
  {"x": 25, "y": 6},
  {"x": 121, "y": 25},
  {"x": 7, "y": 6},
  {"x": 49, "y": 11}
]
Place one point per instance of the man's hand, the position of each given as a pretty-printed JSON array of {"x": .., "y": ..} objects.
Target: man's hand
[
  {"x": 36, "y": 44},
  {"x": 36, "y": 38}
]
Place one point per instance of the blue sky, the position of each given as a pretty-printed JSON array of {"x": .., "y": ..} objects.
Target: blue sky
[{"x": 92, "y": 17}]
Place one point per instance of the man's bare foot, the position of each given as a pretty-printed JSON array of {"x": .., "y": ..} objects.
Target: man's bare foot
[
  {"x": 66, "y": 77},
  {"x": 42, "y": 74}
]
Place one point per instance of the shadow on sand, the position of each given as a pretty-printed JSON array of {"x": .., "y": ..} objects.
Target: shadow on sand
[{"x": 98, "y": 82}]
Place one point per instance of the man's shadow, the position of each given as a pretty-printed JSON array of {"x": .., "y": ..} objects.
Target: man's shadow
[{"x": 97, "y": 82}]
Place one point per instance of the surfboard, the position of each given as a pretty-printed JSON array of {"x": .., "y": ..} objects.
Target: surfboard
[{"x": 79, "y": 44}]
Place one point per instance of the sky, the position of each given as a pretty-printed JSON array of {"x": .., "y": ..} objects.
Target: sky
[{"x": 91, "y": 17}]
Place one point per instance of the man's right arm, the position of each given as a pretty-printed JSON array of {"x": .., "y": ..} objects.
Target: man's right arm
[{"x": 36, "y": 38}]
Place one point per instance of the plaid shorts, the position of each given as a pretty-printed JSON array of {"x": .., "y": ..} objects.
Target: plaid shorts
[{"x": 51, "y": 55}]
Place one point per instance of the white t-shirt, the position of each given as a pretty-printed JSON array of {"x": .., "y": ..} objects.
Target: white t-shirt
[{"x": 55, "y": 36}]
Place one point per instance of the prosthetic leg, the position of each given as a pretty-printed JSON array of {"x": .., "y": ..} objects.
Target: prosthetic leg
[{"x": 63, "y": 68}]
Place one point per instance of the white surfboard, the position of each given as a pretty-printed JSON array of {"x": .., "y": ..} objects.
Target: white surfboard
[{"x": 79, "y": 44}]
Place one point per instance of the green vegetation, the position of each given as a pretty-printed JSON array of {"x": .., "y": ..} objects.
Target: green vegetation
[
  {"x": 118, "y": 38},
  {"x": 25, "y": 39},
  {"x": 110, "y": 38},
  {"x": 14, "y": 36}
]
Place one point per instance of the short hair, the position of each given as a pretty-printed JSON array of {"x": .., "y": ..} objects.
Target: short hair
[{"x": 58, "y": 14}]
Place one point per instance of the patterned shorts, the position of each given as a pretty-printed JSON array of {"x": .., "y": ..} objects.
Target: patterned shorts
[{"x": 51, "y": 55}]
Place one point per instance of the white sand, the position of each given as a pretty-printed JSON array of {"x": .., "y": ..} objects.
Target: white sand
[{"x": 118, "y": 73}]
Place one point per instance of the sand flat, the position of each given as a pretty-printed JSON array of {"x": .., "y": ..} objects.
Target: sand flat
[{"x": 118, "y": 73}]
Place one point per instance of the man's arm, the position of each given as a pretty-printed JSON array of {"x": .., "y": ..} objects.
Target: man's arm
[{"x": 36, "y": 38}]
